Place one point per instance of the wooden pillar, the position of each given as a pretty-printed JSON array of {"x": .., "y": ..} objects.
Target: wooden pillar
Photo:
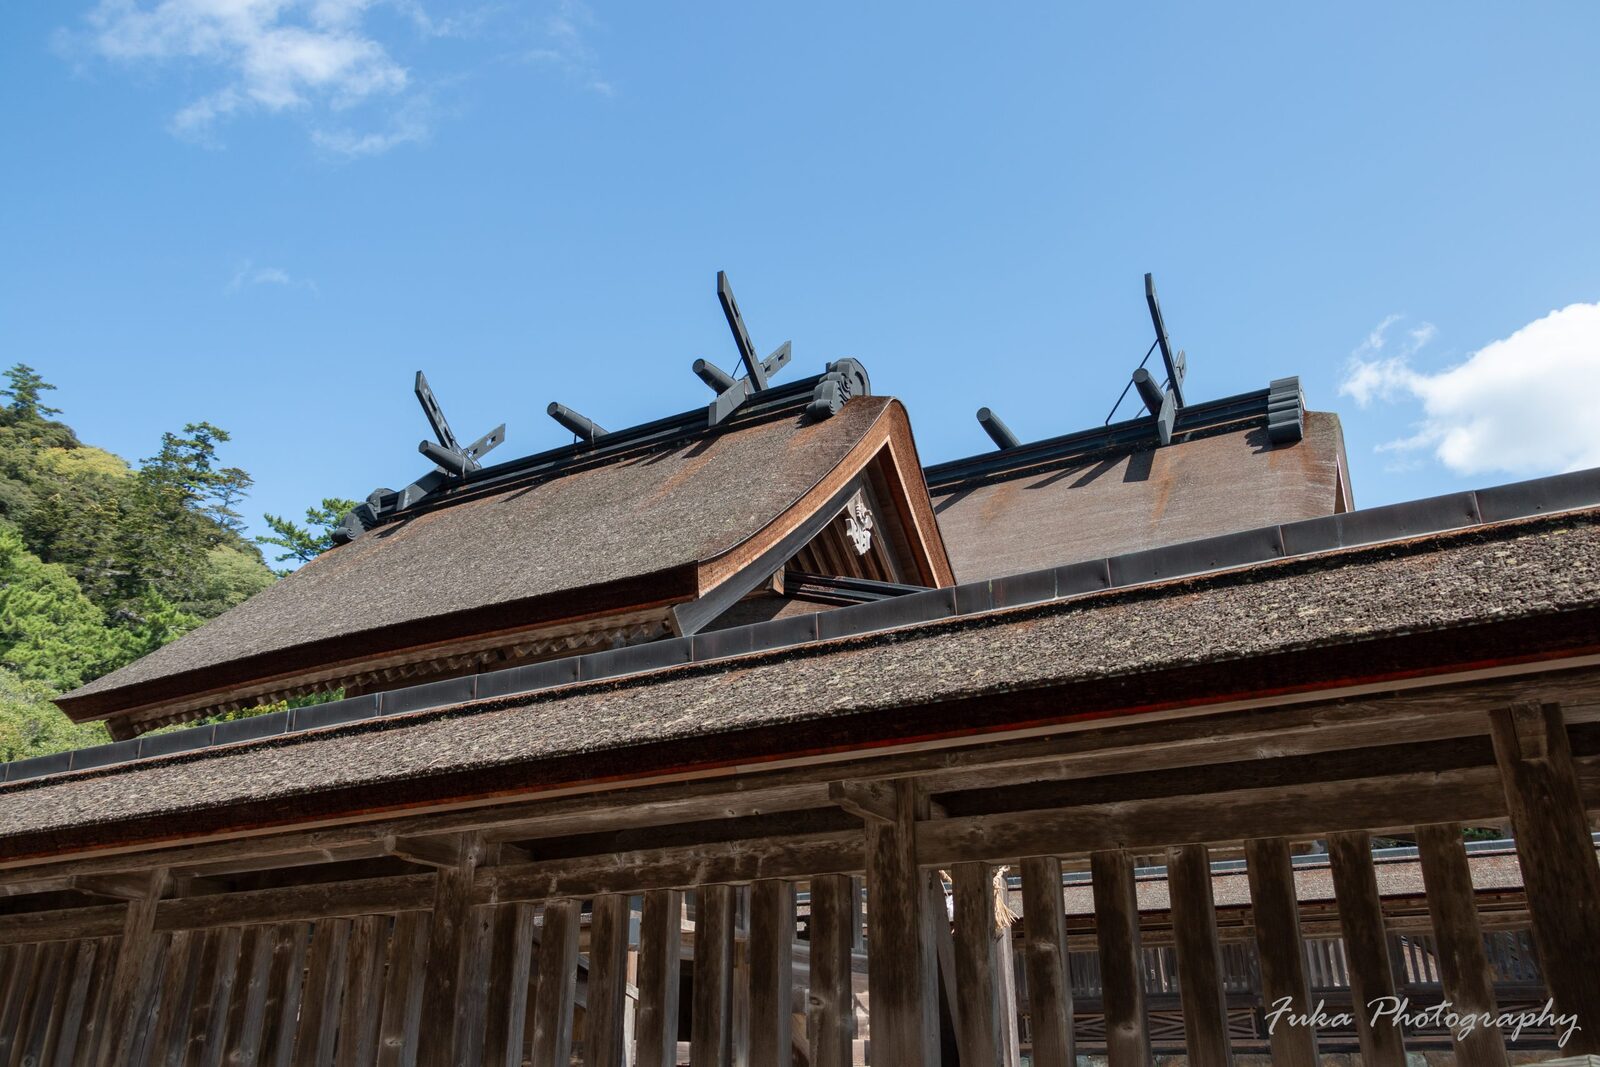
[
  {"x": 1276, "y": 910},
  {"x": 359, "y": 1018},
  {"x": 1558, "y": 860},
  {"x": 324, "y": 989},
  {"x": 1194, "y": 930},
  {"x": 1463, "y": 967},
  {"x": 402, "y": 990},
  {"x": 510, "y": 969},
  {"x": 711, "y": 1033},
  {"x": 608, "y": 982},
  {"x": 1366, "y": 947},
  {"x": 137, "y": 960},
  {"x": 900, "y": 970},
  {"x": 558, "y": 984},
  {"x": 829, "y": 1003},
  {"x": 978, "y": 1036},
  {"x": 660, "y": 952},
  {"x": 1116, "y": 927},
  {"x": 447, "y": 1008},
  {"x": 772, "y": 972},
  {"x": 1044, "y": 961},
  {"x": 248, "y": 1011}
]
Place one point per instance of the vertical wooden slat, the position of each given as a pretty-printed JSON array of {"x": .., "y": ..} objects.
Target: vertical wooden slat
[
  {"x": 358, "y": 1015},
  {"x": 97, "y": 1005},
  {"x": 511, "y": 964},
  {"x": 1280, "y": 949},
  {"x": 189, "y": 1028},
  {"x": 324, "y": 989},
  {"x": 1463, "y": 967},
  {"x": 27, "y": 965},
  {"x": 214, "y": 1039},
  {"x": 1194, "y": 929},
  {"x": 978, "y": 1035},
  {"x": 249, "y": 1005},
  {"x": 608, "y": 981},
  {"x": 900, "y": 971},
  {"x": 170, "y": 1042},
  {"x": 1557, "y": 858},
  {"x": 660, "y": 951},
  {"x": 1366, "y": 948},
  {"x": 34, "y": 1024},
  {"x": 1116, "y": 921},
  {"x": 711, "y": 1032},
  {"x": 830, "y": 1009},
  {"x": 558, "y": 984},
  {"x": 146, "y": 1023},
  {"x": 1044, "y": 958},
  {"x": 8, "y": 977},
  {"x": 285, "y": 979},
  {"x": 67, "y": 1031},
  {"x": 772, "y": 971},
  {"x": 136, "y": 965},
  {"x": 43, "y": 1051},
  {"x": 402, "y": 991}
]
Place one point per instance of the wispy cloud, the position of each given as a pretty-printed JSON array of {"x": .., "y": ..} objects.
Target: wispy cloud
[
  {"x": 308, "y": 57},
  {"x": 563, "y": 45},
  {"x": 248, "y": 275},
  {"x": 1518, "y": 405}
]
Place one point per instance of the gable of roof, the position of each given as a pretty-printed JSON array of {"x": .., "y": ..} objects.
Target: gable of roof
[
  {"x": 1109, "y": 496},
  {"x": 661, "y": 526}
]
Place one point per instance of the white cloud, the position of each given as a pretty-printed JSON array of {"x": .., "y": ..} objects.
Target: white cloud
[
  {"x": 247, "y": 274},
  {"x": 270, "y": 55},
  {"x": 1520, "y": 405},
  {"x": 563, "y": 45}
]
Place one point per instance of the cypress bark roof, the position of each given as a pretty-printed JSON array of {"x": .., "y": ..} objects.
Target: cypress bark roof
[
  {"x": 648, "y": 529},
  {"x": 1528, "y": 588},
  {"x": 1110, "y": 503}
]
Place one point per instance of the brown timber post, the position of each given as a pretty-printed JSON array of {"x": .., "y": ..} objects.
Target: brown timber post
[
  {"x": 1366, "y": 947},
  {"x": 1558, "y": 860},
  {"x": 660, "y": 951},
  {"x": 1276, "y": 911},
  {"x": 1116, "y": 925},
  {"x": 1044, "y": 959},
  {"x": 608, "y": 982},
  {"x": 558, "y": 984},
  {"x": 1194, "y": 930},
  {"x": 772, "y": 971},
  {"x": 829, "y": 1004},
  {"x": 511, "y": 965},
  {"x": 135, "y": 971},
  {"x": 900, "y": 967},
  {"x": 978, "y": 1036},
  {"x": 711, "y": 1033},
  {"x": 1463, "y": 967},
  {"x": 402, "y": 989},
  {"x": 446, "y": 998}
]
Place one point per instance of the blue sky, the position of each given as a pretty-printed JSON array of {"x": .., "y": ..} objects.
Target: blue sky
[{"x": 267, "y": 214}]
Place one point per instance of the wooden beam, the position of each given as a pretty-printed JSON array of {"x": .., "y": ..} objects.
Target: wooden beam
[
  {"x": 1194, "y": 923},
  {"x": 510, "y": 970},
  {"x": 125, "y": 885},
  {"x": 1463, "y": 967},
  {"x": 1558, "y": 860},
  {"x": 1274, "y": 907},
  {"x": 137, "y": 960},
  {"x": 772, "y": 933},
  {"x": 1366, "y": 946},
  {"x": 711, "y": 1033},
  {"x": 558, "y": 984},
  {"x": 1116, "y": 913},
  {"x": 830, "y": 1011},
  {"x": 608, "y": 982},
  {"x": 869, "y": 800},
  {"x": 978, "y": 1036},
  {"x": 679, "y": 867},
  {"x": 901, "y": 981},
  {"x": 352, "y": 899},
  {"x": 1044, "y": 960},
  {"x": 660, "y": 949},
  {"x": 446, "y": 1010}
]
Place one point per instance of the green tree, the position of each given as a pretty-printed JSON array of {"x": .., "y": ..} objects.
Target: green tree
[
  {"x": 306, "y": 543},
  {"x": 32, "y": 726},
  {"x": 49, "y": 631},
  {"x": 24, "y": 392}
]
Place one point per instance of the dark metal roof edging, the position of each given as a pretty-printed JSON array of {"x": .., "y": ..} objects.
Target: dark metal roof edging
[{"x": 1453, "y": 511}]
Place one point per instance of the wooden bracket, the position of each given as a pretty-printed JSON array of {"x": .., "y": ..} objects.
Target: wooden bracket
[
  {"x": 439, "y": 850},
  {"x": 133, "y": 885},
  {"x": 1530, "y": 728},
  {"x": 869, "y": 800}
]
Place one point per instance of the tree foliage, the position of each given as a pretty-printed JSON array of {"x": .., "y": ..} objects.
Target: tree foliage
[
  {"x": 306, "y": 543},
  {"x": 102, "y": 562}
]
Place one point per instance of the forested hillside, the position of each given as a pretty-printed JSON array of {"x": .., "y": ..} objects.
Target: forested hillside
[{"x": 102, "y": 561}]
